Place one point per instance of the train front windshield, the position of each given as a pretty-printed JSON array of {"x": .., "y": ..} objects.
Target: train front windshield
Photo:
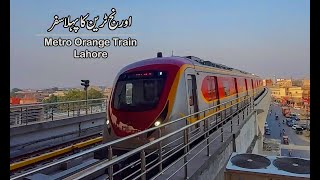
[{"x": 138, "y": 91}]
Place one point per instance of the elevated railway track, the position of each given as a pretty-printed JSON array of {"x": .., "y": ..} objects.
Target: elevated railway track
[{"x": 139, "y": 162}]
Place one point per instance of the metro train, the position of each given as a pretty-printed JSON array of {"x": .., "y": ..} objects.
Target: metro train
[{"x": 154, "y": 91}]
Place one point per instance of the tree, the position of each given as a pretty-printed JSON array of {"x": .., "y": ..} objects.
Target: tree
[
  {"x": 74, "y": 95},
  {"x": 13, "y": 91},
  {"x": 94, "y": 94},
  {"x": 52, "y": 99}
]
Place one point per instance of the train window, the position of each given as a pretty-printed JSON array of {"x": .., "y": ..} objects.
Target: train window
[
  {"x": 226, "y": 88},
  {"x": 129, "y": 93},
  {"x": 232, "y": 86},
  {"x": 252, "y": 84},
  {"x": 150, "y": 90},
  {"x": 191, "y": 99},
  {"x": 138, "y": 94},
  {"x": 239, "y": 85},
  {"x": 209, "y": 88},
  {"x": 243, "y": 85},
  {"x": 213, "y": 88},
  {"x": 249, "y": 84}
]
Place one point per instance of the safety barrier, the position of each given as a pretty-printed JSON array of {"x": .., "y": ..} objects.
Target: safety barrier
[
  {"x": 28, "y": 113},
  {"x": 155, "y": 162}
]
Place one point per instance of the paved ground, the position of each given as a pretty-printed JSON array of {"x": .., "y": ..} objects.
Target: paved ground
[{"x": 299, "y": 145}]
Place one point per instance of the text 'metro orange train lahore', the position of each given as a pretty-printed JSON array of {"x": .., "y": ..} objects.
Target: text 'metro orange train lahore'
[{"x": 154, "y": 91}]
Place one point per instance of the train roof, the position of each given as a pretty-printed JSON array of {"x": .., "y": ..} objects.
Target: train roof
[
  {"x": 204, "y": 63},
  {"x": 174, "y": 60},
  {"x": 182, "y": 60}
]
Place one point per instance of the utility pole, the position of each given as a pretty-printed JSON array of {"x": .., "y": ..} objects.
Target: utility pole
[{"x": 85, "y": 83}]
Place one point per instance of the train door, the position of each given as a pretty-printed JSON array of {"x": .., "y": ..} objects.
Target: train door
[
  {"x": 192, "y": 96},
  {"x": 253, "y": 87},
  {"x": 213, "y": 93},
  {"x": 237, "y": 92},
  {"x": 215, "y": 97},
  {"x": 247, "y": 89},
  {"x": 209, "y": 83}
]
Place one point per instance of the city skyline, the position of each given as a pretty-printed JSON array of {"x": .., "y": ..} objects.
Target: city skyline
[{"x": 265, "y": 38}]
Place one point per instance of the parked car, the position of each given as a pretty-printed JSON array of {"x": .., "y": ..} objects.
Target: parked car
[
  {"x": 295, "y": 118},
  {"x": 304, "y": 126},
  {"x": 296, "y": 126},
  {"x": 299, "y": 130},
  {"x": 285, "y": 139},
  {"x": 289, "y": 123},
  {"x": 267, "y": 131},
  {"x": 293, "y": 114}
]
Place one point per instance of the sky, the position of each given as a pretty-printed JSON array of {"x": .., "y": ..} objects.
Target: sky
[{"x": 265, "y": 37}]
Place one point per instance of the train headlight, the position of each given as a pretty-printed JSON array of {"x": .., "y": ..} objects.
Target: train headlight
[
  {"x": 157, "y": 123},
  {"x": 108, "y": 122}
]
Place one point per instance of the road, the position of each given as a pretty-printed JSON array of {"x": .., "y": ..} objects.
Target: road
[{"x": 299, "y": 145}]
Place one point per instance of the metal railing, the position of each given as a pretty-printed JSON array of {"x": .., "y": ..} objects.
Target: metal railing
[
  {"x": 28, "y": 113},
  {"x": 154, "y": 162}
]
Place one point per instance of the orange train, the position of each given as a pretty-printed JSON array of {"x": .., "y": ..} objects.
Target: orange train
[{"x": 154, "y": 91}]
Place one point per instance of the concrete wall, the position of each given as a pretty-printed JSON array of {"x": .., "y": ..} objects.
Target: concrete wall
[
  {"x": 246, "y": 135},
  {"x": 262, "y": 112},
  {"x": 45, "y": 134},
  {"x": 215, "y": 166}
]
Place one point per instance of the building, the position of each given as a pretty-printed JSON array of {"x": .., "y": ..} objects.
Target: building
[
  {"x": 28, "y": 100},
  {"x": 14, "y": 100},
  {"x": 278, "y": 92},
  {"x": 295, "y": 92},
  {"x": 267, "y": 82},
  {"x": 284, "y": 83},
  {"x": 40, "y": 95},
  {"x": 295, "y": 96},
  {"x": 59, "y": 93},
  {"x": 25, "y": 94},
  {"x": 306, "y": 83},
  {"x": 297, "y": 83},
  {"x": 306, "y": 96},
  {"x": 289, "y": 95},
  {"x": 107, "y": 92},
  {"x": 31, "y": 96}
]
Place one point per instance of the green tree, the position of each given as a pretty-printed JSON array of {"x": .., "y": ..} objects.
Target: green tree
[
  {"x": 13, "y": 92},
  {"x": 51, "y": 99},
  {"x": 51, "y": 107},
  {"x": 74, "y": 95},
  {"x": 94, "y": 94}
]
